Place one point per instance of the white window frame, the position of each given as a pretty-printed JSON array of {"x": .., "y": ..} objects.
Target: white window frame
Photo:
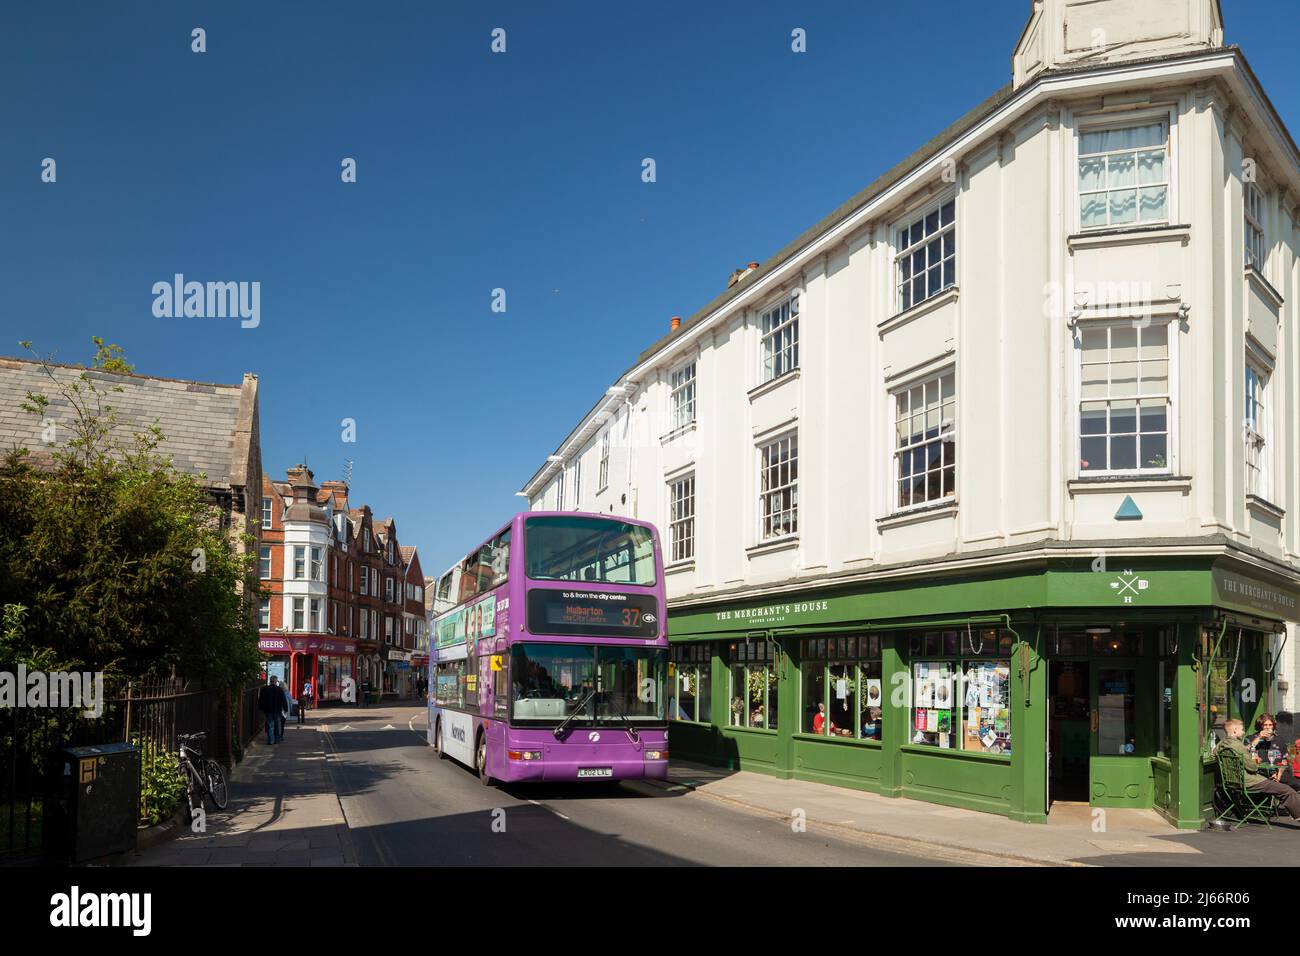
[
  {"x": 1255, "y": 235},
  {"x": 316, "y": 561},
  {"x": 559, "y": 490},
  {"x": 266, "y": 513},
  {"x": 603, "y": 474},
  {"x": 791, "y": 437},
  {"x": 782, "y": 338},
  {"x": 903, "y": 253},
  {"x": 1091, "y": 123},
  {"x": 1171, "y": 432},
  {"x": 264, "y": 563},
  {"x": 314, "y": 618},
  {"x": 681, "y": 394},
  {"x": 947, "y": 435},
  {"x": 264, "y": 614},
  {"x": 681, "y": 525},
  {"x": 299, "y": 619},
  {"x": 299, "y": 562},
  {"x": 1257, "y": 423}
]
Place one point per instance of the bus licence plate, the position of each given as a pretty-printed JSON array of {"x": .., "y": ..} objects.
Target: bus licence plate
[{"x": 595, "y": 771}]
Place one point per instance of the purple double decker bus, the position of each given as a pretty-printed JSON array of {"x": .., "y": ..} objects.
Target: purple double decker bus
[{"x": 550, "y": 652}]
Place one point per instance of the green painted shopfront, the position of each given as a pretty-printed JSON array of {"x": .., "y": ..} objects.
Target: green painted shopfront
[{"x": 1102, "y": 679}]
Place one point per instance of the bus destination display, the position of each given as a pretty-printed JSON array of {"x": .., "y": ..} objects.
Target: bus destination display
[{"x": 592, "y": 612}]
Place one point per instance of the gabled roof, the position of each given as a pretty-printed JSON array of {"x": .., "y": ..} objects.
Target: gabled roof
[{"x": 208, "y": 428}]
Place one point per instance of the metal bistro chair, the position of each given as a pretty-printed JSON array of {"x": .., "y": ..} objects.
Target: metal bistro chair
[{"x": 1240, "y": 802}]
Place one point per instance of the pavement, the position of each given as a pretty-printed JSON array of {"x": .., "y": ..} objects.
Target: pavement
[
  {"x": 361, "y": 787},
  {"x": 283, "y": 811}
]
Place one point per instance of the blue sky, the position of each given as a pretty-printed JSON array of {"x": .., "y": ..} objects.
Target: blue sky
[{"x": 475, "y": 171}]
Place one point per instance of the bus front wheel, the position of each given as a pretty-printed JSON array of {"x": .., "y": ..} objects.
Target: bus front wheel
[
  {"x": 437, "y": 740},
  {"x": 480, "y": 760}
]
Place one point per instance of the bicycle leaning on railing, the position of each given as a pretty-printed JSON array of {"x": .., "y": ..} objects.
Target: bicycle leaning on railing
[{"x": 204, "y": 777}]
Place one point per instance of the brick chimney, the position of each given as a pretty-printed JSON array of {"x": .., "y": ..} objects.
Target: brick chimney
[
  {"x": 338, "y": 490},
  {"x": 740, "y": 274}
]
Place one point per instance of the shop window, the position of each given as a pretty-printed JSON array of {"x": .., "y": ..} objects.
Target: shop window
[
  {"x": 962, "y": 703},
  {"x": 986, "y": 706},
  {"x": 690, "y": 667},
  {"x": 842, "y": 691},
  {"x": 1167, "y": 670},
  {"x": 1226, "y": 671},
  {"x": 1116, "y": 644},
  {"x": 753, "y": 685},
  {"x": 842, "y": 685},
  {"x": 932, "y": 697},
  {"x": 1069, "y": 645},
  {"x": 985, "y": 642},
  {"x": 872, "y": 701}
]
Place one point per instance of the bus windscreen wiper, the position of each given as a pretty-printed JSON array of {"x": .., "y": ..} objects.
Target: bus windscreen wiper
[
  {"x": 563, "y": 725},
  {"x": 631, "y": 731}
]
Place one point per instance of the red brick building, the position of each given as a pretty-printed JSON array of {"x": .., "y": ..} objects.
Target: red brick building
[{"x": 334, "y": 607}]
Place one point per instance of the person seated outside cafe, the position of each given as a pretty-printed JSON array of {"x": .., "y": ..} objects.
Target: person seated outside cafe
[
  {"x": 1257, "y": 776},
  {"x": 1268, "y": 749}
]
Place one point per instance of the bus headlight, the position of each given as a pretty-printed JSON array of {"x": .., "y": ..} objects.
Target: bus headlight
[
  {"x": 656, "y": 755},
  {"x": 524, "y": 754}
]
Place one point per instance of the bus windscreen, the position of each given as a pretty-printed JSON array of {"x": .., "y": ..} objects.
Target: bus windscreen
[{"x": 590, "y": 550}]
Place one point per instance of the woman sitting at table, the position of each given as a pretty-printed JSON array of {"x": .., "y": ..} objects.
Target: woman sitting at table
[{"x": 1267, "y": 748}]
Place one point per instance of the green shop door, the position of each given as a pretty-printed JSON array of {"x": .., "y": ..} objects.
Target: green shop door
[
  {"x": 1069, "y": 731},
  {"x": 1123, "y": 724}
]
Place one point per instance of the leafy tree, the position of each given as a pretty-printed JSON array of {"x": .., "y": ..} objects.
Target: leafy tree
[
  {"x": 119, "y": 561},
  {"x": 110, "y": 358}
]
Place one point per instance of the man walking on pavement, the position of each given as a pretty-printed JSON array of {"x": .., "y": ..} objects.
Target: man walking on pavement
[
  {"x": 306, "y": 699},
  {"x": 272, "y": 702}
]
